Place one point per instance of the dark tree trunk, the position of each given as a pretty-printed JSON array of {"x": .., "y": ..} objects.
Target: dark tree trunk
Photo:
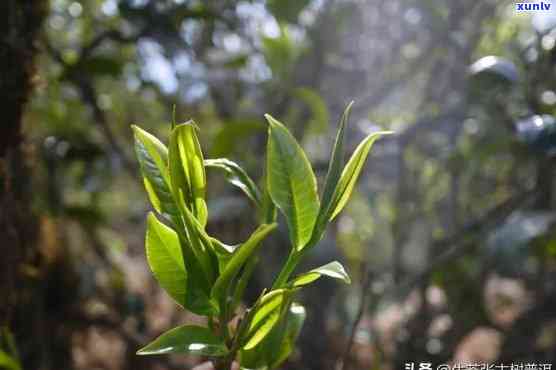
[
  {"x": 21, "y": 21},
  {"x": 20, "y": 27}
]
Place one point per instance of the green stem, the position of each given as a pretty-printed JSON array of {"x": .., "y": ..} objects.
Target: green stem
[
  {"x": 289, "y": 267},
  {"x": 242, "y": 282},
  {"x": 223, "y": 321}
]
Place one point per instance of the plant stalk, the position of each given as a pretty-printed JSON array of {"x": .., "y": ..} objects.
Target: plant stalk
[{"x": 290, "y": 265}]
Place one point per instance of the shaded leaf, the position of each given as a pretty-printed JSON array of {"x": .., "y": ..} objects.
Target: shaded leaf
[
  {"x": 201, "y": 244},
  {"x": 187, "y": 339},
  {"x": 237, "y": 177},
  {"x": 295, "y": 319},
  {"x": 153, "y": 161}
]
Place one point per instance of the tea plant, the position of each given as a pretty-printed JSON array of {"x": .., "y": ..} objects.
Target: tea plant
[{"x": 207, "y": 276}]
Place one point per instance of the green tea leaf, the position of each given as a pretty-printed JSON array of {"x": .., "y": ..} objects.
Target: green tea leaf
[
  {"x": 333, "y": 269},
  {"x": 201, "y": 244},
  {"x": 187, "y": 339},
  {"x": 279, "y": 343},
  {"x": 291, "y": 182},
  {"x": 295, "y": 319},
  {"x": 187, "y": 170},
  {"x": 165, "y": 259},
  {"x": 237, "y": 177},
  {"x": 153, "y": 161},
  {"x": 351, "y": 172},
  {"x": 186, "y": 282},
  {"x": 332, "y": 177},
  {"x": 239, "y": 257},
  {"x": 266, "y": 315}
]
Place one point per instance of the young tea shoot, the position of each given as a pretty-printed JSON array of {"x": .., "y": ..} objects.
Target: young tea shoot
[{"x": 208, "y": 277}]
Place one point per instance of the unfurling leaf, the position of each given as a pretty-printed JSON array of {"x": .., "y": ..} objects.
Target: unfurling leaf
[{"x": 187, "y": 170}]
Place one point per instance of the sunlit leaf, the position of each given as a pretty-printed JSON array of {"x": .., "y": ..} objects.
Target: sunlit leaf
[
  {"x": 165, "y": 259},
  {"x": 187, "y": 339},
  {"x": 187, "y": 170},
  {"x": 291, "y": 182},
  {"x": 351, "y": 172},
  {"x": 333, "y": 269},
  {"x": 332, "y": 177},
  {"x": 266, "y": 315},
  {"x": 279, "y": 343}
]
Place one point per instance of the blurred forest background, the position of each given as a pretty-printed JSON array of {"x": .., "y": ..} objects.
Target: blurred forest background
[{"x": 449, "y": 238}]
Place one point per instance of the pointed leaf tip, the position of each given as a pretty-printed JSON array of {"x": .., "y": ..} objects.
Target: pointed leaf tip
[
  {"x": 333, "y": 269},
  {"x": 351, "y": 172}
]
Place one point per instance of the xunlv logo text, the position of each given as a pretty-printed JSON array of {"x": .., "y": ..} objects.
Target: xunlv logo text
[{"x": 523, "y": 7}]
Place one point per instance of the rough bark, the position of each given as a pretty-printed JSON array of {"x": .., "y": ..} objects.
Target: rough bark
[
  {"x": 19, "y": 256},
  {"x": 19, "y": 30}
]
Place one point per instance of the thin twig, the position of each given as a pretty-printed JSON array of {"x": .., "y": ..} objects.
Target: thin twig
[{"x": 343, "y": 362}]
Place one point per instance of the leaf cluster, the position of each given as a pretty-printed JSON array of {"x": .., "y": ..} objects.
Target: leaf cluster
[{"x": 208, "y": 277}]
